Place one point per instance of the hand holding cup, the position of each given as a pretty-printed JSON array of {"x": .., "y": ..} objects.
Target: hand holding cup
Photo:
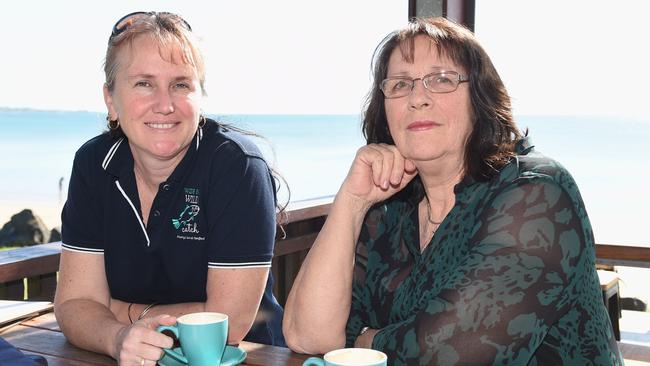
[{"x": 202, "y": 337}]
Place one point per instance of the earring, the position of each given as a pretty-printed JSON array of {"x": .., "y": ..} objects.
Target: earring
[
  {"x": 201, "y": 121},
  {"x": 112, "y": 124}
]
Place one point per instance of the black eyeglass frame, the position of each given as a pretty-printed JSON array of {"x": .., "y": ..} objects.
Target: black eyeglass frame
[
  {"x": 117, "y": 29},
  {"x": 460, "y": 78}
]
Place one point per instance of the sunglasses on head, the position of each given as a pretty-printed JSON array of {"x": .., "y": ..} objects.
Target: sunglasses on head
[{"x": 126, "y": 21}]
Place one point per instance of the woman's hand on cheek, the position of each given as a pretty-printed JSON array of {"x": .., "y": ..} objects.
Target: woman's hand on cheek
[{"x": 378, "y": 171}]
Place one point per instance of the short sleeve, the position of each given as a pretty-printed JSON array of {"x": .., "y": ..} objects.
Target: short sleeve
[
  {"x": 82, "y": 215},
  {"x": 241, "y": 211}
]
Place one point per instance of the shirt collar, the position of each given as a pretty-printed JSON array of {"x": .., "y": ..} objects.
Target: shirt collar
[
  {"x": 118, "y": 159},
  {"x": 522, "y": 147}
]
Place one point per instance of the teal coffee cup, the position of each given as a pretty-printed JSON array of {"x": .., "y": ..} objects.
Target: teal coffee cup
[
  {"x": 349, "y": 357},
  {"x": 202, "y": 337}
]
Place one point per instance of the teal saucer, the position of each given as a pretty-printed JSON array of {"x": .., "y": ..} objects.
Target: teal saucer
[{"x": 231, "y": 357}]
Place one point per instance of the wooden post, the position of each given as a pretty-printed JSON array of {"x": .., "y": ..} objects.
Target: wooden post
[{"x": 460, "y": 11}]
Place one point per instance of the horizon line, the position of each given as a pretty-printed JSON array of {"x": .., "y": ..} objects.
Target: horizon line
[{"x": 39, "y": 110}]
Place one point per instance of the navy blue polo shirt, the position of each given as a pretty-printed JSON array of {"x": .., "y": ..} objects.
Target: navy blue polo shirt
[{"x": 216, "y": 210}]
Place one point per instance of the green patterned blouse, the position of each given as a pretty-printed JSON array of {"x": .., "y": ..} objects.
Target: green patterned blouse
[{"x": 509, "y": 277}]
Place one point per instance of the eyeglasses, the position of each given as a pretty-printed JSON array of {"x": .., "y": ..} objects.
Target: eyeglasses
[
  {"x": 126, "y": 21},
  {"x": 436, "y": 82}
]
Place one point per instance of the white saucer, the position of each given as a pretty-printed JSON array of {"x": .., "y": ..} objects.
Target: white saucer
[{"x": 231, "y": 357}]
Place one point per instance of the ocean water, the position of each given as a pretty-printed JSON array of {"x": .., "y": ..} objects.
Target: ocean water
[
  {"x": 608, "y": 157},
  {"x": 37, "y": 149}
]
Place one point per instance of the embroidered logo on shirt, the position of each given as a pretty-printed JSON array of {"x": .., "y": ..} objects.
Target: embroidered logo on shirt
[
  {"x": 186, "y": 222},
  {"x": 186, "y": 217}
]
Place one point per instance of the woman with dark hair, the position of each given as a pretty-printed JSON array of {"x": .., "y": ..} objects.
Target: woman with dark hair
[
  {"x": 168, "y": 213},
  {"x": 451, "y": 241}
]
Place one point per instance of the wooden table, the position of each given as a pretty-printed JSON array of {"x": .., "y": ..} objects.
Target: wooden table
[{"x": 42, "y": 336}]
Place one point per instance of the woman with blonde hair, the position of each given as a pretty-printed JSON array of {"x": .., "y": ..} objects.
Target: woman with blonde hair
[{"x": 169, "y": 212}]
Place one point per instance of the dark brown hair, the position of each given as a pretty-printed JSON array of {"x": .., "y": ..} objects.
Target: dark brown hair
[{"x": 494, "y": 134}]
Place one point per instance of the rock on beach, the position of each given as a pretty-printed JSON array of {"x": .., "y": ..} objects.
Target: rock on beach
[{"x": 25, "y": 229}]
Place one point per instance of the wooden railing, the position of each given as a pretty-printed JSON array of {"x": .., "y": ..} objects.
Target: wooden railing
[
  {"x": 31, "y": 273},
  {"x": 305, "y": 219},
  {"x": 623, "y": 255},
  {"x": 34, "y": 268}
]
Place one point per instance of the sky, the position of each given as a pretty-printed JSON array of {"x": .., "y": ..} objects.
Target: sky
[
  {"x": 590, "y": 58},
  {"x": 313, "y": 57},
  {"x": 285, "y": 56}
]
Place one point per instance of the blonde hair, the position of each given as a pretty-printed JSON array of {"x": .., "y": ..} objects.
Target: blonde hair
[{"x": 166, "y": 29}]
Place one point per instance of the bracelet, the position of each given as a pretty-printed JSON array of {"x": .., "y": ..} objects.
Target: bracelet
[
  {"x": 128, "y": 311},
  {"x": 363, "y": 330},
  {"x": 146, "y": 310}
]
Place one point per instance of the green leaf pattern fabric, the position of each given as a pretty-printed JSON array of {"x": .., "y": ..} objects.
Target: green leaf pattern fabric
[{"x": 508, "y": 279}]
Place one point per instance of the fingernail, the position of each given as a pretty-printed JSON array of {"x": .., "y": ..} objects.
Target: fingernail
[{"x": 384, "y": 185}]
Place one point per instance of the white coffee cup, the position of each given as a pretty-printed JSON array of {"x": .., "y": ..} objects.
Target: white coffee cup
[{"x": 350, "y": 357}]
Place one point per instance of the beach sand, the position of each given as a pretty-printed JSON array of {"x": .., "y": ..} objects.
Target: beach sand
[{"x": 49, "y": 212}]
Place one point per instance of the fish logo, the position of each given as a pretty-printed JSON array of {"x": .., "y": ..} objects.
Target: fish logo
[{"x": 187, "y": 216}]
